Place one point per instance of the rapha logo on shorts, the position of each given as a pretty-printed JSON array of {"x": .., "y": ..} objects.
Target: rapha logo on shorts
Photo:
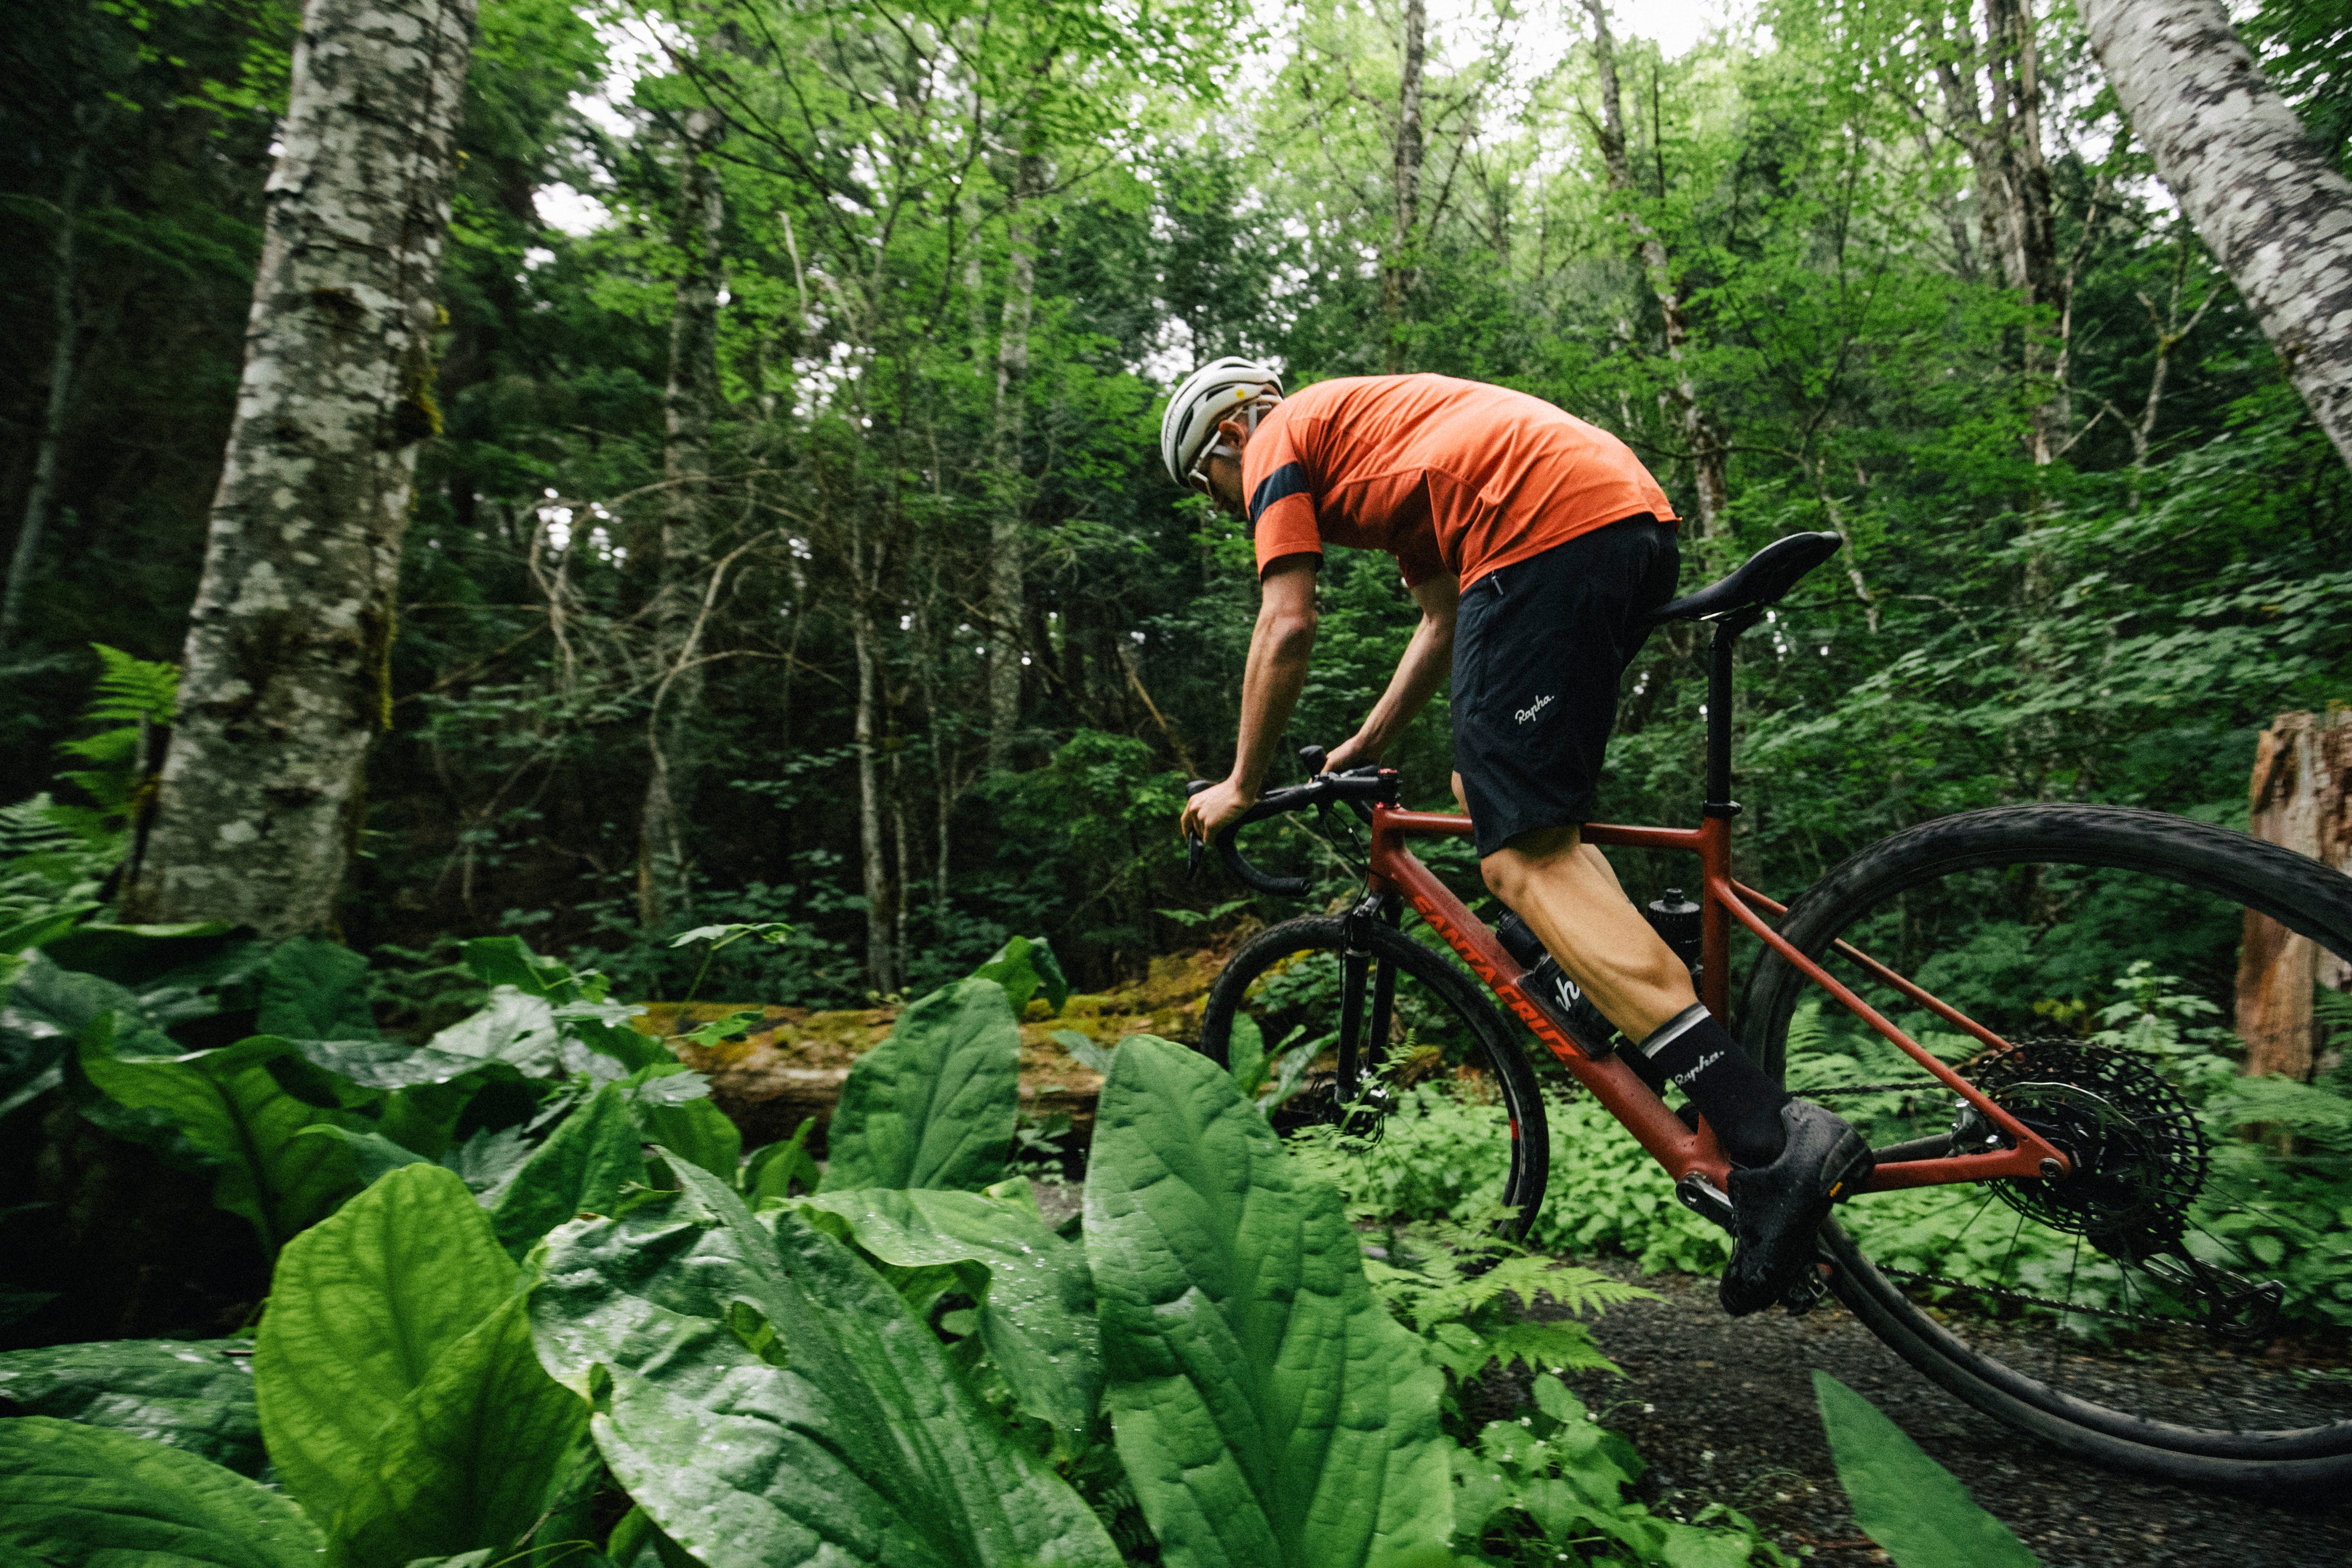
[{"x": 1532, "y": 709}]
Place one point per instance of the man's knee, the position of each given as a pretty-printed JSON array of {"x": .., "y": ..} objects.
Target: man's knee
[{"x": 1508, "y": 869}]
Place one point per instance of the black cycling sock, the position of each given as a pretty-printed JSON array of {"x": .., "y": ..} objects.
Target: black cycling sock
[{"x": 1731, "y": 1090}]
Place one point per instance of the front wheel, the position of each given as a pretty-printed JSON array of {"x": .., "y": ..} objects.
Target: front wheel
[
  {"x": 1300, "y": 994},
  {"x": 2180, "y": 1304}
]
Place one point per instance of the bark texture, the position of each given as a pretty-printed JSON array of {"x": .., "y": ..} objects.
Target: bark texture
[
  {"x": 2300, "y": 797},
  {"x": 1007, "y": 611},
  {"x": 1398, "y": 276},
  {"x": 1709, "y": 453},
  {"x": 673, "y": 729},
  {"x": 289, "y": 642},
  {"x": 2261, "y": 194}
]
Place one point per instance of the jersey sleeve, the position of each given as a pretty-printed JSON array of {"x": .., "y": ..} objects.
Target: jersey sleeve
[{"x": 1280, "y": 499}]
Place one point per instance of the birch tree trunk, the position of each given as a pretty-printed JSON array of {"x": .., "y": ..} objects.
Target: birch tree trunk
[
  {"x": 1396, "y": 276},
  {"x": 881, "y": 953},
  {"x": 673, "y": 731},
  {"x": 288, "y": 658},
  {"x": 2258, "y": 192},
  {"x": 52, "y": 440},
  {"x": 1007, "y": 609},
  {"x": 2300, "y": 797},
  {"x": 1709, "y": 457}
]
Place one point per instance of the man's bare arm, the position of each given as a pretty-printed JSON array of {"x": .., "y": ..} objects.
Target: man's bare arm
[
  {"x": 1279, "y": 650},
  {"x": 1424, "y": 668}
]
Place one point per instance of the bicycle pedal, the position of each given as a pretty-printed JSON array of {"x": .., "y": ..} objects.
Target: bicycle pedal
[
  {"x": 1806, "y": 1295},
  {"x": 1704, "y": 1198}
]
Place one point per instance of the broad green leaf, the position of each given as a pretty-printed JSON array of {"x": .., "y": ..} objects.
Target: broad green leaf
[
  {"x": 76, "y": 1494},
  {"x": 360, "y": 1308},
  {"x": 508, "y": 961},
  {"x": 473, "y": 1456},
  {"x": 672, "y": 1104},
  {"x": 229, "y": 1106},
  {"x": 387, "y": 1063},
  {"x": 770, "y": 1171},
  {"x": 56, "y": 1005},
  {"x": 592, "y": 1154},
  {"x": 312, "y": 989},
  {"x": 850, "y": 1440},
  {"x": 1037, "y": 1312},
  {"x": 1909, "y": 1504},
  {"x": 516, "y": 1028},
  {"x": 934, "y": 1104},
  {"x": 372, "y": 1153},
  {"x": 1268, "y": 1409},
  {"x": 1025, "y": 967},
  {"x": 182, "y": 1393}
]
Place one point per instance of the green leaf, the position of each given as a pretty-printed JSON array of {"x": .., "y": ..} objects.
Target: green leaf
[
  {"x": 232, "y": 1109},
  {"x": 1268, "y": 1409},
  {"x": 1025, "y": 967},
  {"x": 79, "y": 1494},
  {"x": 473, "y": 1456},
  {"x": 1909, "y": 1504},
  {"x": 316, "y": 990},
  {"x": 770, "y": 1171},
  {"x": 1037, "y": 1303},
  {"x": 862, "y": 1447},
  {"x": 592, "y": 1154},
  {"x": 373, "y": 1154},
  {"x": 387, "y": 1063},
  {"x": 934, "y": 1104},
  {"x": 182, "y": 1393},
  {"x": 672, "y": 1106},
  {"x": 508, "y": 961},
  {"x": 58, "y": 1006},
  {"x": 1084, "y": 1052},
  {"x": 516, "y": 1028},
  {"x": 360, "y": 1308}
]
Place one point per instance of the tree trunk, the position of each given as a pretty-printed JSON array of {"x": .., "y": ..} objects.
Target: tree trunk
[
  {"x": 2300, "y": 797},
  {"x": 1709, "y": 458},
  {"x": 2261, "y": 194},
  {"x": 673, "y": 730},
  {"x": 881, "y": 957},
  {"x": 52, "y": 440},
  {"x": 1397, "y": 277},
  {"x": 1007, "y": 615},
  {"x": 288, "y": 659}
]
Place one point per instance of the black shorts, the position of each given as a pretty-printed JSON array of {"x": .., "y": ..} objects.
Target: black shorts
[{"x": 1539, "y": 648}]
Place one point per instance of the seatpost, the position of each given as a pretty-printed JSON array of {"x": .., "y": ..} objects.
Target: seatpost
[{"x": 1719, "y": 802}]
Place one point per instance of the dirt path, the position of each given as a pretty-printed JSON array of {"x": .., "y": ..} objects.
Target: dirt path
[{"x": 1723, "y": 1411}]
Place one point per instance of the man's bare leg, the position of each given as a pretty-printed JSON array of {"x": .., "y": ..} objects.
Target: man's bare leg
[{"x": 1569, "y": 896}]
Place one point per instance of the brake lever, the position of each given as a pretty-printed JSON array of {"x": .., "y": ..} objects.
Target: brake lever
[{"x": 1195, "y": 846}]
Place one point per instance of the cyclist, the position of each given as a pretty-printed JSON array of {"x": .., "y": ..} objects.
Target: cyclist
[{"x": 1535, "y": 545}]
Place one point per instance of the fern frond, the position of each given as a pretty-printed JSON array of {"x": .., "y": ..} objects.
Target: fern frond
[
  {"x": 131, "y": 688},
  {"x": 30, "y": 827}
]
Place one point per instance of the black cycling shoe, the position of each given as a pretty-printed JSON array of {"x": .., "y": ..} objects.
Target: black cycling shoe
[{"x": 1776, "y": 1208}]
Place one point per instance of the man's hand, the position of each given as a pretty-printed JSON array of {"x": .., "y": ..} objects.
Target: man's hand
[
  {"x": 1353, "y": 752},
  {"x": 1213, "y": 810}
]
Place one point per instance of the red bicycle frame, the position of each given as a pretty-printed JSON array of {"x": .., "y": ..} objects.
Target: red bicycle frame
[{"x": 1394, "y": 869}]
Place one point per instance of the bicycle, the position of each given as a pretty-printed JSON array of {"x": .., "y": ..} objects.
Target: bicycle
[{"x": 2164, "y": 1286}]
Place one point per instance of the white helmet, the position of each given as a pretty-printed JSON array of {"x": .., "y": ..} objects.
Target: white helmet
[{"x": 1208, "y": 395}]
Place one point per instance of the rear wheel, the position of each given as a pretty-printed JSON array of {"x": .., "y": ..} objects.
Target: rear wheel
[
  {"x": 1296, "y": 993},
  {"x": 2180, "y": 1304}
]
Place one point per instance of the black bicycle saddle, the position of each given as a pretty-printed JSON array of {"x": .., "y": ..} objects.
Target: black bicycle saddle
[{"x": 1757, "y": 582}]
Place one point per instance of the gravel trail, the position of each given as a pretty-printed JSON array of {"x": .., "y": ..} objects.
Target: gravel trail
[{"x": 1723, "y": 1411}]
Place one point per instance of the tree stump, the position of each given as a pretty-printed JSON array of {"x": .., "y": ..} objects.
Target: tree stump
[{"x": 2301, "y": 798}]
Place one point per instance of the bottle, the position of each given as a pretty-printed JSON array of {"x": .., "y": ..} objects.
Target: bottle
[
  {"x": 1676, "y": 920},
  {"x": 1548, "y": 985}
]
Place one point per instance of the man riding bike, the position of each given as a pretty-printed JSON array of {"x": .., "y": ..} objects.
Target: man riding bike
[{"x": 1535, "y": 545}]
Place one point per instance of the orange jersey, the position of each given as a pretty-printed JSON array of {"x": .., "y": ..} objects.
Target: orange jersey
[{"x": 1445, "y": 475}]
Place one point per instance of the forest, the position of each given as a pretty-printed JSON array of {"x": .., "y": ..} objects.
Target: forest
[{"x": 753, "y": 582}]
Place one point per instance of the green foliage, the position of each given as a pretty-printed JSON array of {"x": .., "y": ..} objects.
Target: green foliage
[
  {"x": 1909, "y": 1504},
  {"x": 585, "y": 1163},
  {"x": 933, "y": 1106},
  {"x": 315, "y": 991},
  {"x": 1268, "y": 1410},
  {"x": 72, "y": 1493},
  {"x": 194, "y": 1396},
  {"x": 1025, "y": 967},
  {"x": 768, "y": 1399},
  {"x": 234, "y": 1110},
  {"x": 1034, "y": 1313}
]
